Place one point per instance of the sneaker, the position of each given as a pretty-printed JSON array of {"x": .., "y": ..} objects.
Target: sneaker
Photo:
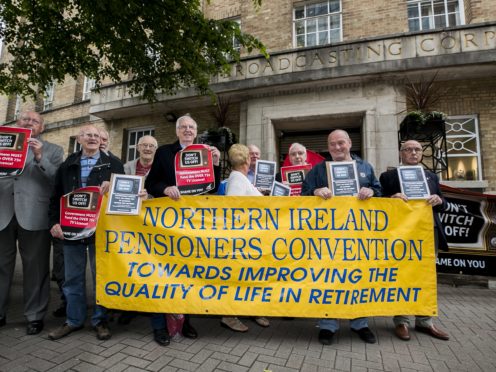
[
  {"x": 325, "y": 336},
  {"x": 102, "y": 331},
  {"x": 262, "y": 322},
  {"x": 233, "y": 323},
  {"x": 366, "y": 335},
  {"x": 63, "y": 331}
]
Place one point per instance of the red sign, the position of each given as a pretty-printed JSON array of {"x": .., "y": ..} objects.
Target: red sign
[
  {"x": 79, "y": 212},
  {"x": 194, "y": 170},
  {"x": 13, "y": 150},
  {"x": 293, "y": 176}
]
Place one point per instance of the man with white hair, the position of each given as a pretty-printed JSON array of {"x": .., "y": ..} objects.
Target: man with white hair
[
  {"x": 88, "y": 167},
  {"x": 147, "y": 146},
  {"x": 161, "y": 181},
  {"x": 24, "y": 226}
]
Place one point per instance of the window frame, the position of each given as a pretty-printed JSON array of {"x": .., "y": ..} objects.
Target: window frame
[
  {"x": 48, "y": 96},
  {"x": 329, "y": 40},
  {"x": 450, "y": 139},
  {"x": 432, "y": 16},
  {"x": 88, "y": 86}
]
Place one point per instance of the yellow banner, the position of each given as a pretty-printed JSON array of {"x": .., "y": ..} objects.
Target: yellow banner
[{"x": 272, "y": 256}]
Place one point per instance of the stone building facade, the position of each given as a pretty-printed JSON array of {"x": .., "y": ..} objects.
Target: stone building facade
[{"x": 333, "y": 64}]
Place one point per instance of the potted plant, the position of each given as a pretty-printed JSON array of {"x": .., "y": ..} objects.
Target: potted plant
[
  {"x": 422, "y": 123},
  {"x": 221, "y": 137}
]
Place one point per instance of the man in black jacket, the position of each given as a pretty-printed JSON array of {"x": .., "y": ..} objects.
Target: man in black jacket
[
  {"x": 88, "y": 167},
  {"x": 411, "y": 154},
  {"x": 161, "y": 181}
]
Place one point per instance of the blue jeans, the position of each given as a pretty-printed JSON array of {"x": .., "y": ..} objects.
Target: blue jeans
[
  {"x": 75, "y": 285},
  {"x": 158, "y": 321},
  {"x": 333, "y": 324}
]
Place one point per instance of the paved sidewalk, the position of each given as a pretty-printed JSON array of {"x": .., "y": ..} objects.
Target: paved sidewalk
[{"x": 467, "y": 313}]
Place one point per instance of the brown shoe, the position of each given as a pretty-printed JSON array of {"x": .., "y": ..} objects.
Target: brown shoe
[
  {"x": 433, "y": 331},
  {"x": 262, "y": 322},
  {"x": 233, "y": 323},
  {"x": 62, "y": 331},
  {"x": 401, "y": 331},
  {"x": 102, "y": 331}
]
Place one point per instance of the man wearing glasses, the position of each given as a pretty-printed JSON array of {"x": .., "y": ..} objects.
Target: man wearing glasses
[
  {"x": 147, "y": 146},
  {"x": 161, "y": 181},
  {"x": 23, "y": 223},
  {"x": 88, "y": 167},
  {"x": 411, "y": 154}
]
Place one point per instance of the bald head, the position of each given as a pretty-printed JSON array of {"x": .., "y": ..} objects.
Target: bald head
[{"x": 339, "y": 145}]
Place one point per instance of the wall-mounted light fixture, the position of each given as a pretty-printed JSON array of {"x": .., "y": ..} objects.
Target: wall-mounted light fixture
[{"x": 170, "y": 117}]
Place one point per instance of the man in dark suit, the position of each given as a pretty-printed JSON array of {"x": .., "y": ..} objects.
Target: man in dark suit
[
  {"x": 24, "y": 223},
  {"x": 160, "y": 182},
  {"x": 411, "y": 154}
]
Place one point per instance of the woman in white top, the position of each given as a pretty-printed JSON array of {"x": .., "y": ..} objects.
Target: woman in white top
[{"x": 239, "y": 185}]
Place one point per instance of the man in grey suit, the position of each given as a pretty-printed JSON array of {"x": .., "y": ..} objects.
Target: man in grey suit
[{"x": 24, "y": 223}]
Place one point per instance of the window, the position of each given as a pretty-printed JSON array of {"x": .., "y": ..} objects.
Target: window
[
  {"x": 462, "y": 137},
  {"x": 17, "y": 109},
  {"x": 74, "y": 145},
  {"x": 236, "y": 44},
  {"x": 317, "y": 23},
  {"x": 48, "y": 97},
  {"x": 132, "y": 141},
  {"x": 430, "y": 14},
  {"x": 88, "y": 85}
]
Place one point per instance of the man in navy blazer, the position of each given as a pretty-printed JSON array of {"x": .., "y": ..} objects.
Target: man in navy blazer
[
  {"x": 24, "y": 201},
  {"x": 411, "y": 154},
  {"x": 161, "y": 182}
]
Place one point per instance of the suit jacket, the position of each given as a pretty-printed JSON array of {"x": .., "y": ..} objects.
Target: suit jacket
[
  {"x": 28, "y": 195},
  {"x": 390, "y": 183},
  {"x": 162, "y": 174}
]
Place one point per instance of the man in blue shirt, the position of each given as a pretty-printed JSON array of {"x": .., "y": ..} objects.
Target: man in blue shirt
[{"x": 316, "y": 183}]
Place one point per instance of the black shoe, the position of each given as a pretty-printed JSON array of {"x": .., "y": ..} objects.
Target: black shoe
[
  {"x": 60, "y": 312},
  {"x": 188, "y": 331},
  {"x": 102, "y": 331},
  {"x": 34, "y": 327},
  {"x": 325, "y": 336},
  {"x": 161, "y": 337},
  {"x": 3, "y": 321},
  {"x": 126, "y": 317},
  {"x": 366, "y": 335}
]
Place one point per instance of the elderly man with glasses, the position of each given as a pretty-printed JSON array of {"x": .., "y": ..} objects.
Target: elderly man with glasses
[
  {"x": 24, "y": 225},
  {"x": 411, "y": 154},
  {"x": 88, "y": 167},
  {"x": 161, "y": 182}
]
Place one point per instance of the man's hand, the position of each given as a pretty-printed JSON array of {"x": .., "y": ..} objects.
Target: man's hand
[
  {"x": 56, "y": 231},
  {"x": 104, "y": 187},
  {"x": 434, "y": 200},
  {"x": 401, "y": 196},
  {"x": 37, "y": 147},
  {"x": 143, "y": 194},
  {"x": 323, "y": 192},
  {"x": 215, "y": 155},
  {"x": 365, "y": 193},
  {"x": 173, "y": 192}
]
